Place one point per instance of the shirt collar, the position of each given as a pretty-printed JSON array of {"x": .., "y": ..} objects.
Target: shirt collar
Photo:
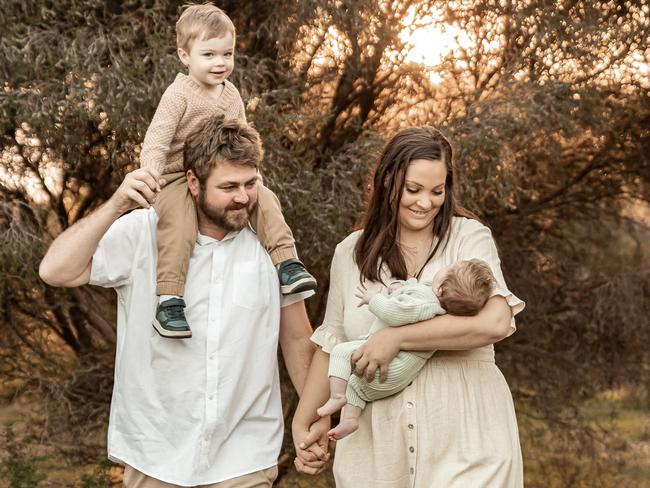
[{"x": 203, "y": 240}]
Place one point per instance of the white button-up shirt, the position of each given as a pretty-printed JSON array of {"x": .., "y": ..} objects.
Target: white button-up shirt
[{"x": 206, "y": 409}]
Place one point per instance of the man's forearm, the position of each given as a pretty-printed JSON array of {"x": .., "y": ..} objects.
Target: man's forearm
[
  {"x": 67, "y": 261},
  {"x": 316, "y": 391},
  {"x": 297, "y": 356},
  {"x": 297, "y": 349}
]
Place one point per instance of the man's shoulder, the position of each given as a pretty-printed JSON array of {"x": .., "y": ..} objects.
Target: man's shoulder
[
  {"x": 141, "y": 215},
  {"x": 137, "y": 221}
]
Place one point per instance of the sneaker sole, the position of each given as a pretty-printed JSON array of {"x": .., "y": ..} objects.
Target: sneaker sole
[
  {"x": 304, "y": 284},
  {"x": 170, "y": 334}
]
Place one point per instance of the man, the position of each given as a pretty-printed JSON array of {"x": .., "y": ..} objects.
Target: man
[{"x": 206, "y": 410}]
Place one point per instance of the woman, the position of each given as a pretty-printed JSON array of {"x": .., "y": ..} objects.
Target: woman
[{"x": 455, "y": 425}]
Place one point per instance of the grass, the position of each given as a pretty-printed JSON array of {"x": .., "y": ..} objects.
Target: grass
[
  {"x": 619, "y": 455},
  {"x": 615, "y": 454}
]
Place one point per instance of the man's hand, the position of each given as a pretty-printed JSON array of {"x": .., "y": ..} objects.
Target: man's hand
[
  {"x": 365, "y": 294},
  {"x": 138, "y": 189},
  {"x": 312, "y": 447},
  {"x": 376, "y": 353},
  {"x": 68, "y": 260}
]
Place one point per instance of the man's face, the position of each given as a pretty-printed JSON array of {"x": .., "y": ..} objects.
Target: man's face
[{"x": 228, "y": 198}]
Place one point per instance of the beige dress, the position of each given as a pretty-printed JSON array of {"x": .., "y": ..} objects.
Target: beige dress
[{"x": 455, "y": 425}]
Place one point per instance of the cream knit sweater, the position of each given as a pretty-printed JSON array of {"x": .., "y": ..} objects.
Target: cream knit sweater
[{"x": 181, "y": 109}]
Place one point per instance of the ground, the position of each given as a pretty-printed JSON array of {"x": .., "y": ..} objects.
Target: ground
[{"x": 623, "y": 461}]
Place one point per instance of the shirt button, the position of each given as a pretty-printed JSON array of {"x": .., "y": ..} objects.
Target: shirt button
[
  {"x": 412, "y": 470},
  {"x": 411, "y": 426},
  {"x": 409, "y": 405},
  {"x": 412, "y": 449},
  {"x": 211, "y": 397}
]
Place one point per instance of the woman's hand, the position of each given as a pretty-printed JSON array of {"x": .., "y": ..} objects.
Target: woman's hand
[
  {"x": 311, "y": 447},
  {"x": 376, "y": 353}
]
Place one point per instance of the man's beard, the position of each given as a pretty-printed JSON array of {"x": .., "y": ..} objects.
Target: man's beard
[{"x": 225, "y": 218}]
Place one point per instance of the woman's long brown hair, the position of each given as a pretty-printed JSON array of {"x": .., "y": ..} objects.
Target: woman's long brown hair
[{"x": 378, "y": 241}]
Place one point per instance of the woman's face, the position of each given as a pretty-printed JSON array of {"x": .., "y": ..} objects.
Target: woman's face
[{"x": 423, "y": 194}]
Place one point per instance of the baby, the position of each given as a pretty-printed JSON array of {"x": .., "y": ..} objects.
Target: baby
[
  {"x": 462, "y": 288},
  {"x": 205, "y": 39}
]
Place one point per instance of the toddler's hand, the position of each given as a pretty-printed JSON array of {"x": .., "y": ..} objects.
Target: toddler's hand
[
  {"x": 365, "y": 295},
  {"x": 394, "y": 285}
]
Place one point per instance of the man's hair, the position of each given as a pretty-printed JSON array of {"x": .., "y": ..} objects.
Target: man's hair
[
  {"x": 219, "y": 140},
  {"x": 201, "y": 22},
  {"x": 467, "y": 287}
]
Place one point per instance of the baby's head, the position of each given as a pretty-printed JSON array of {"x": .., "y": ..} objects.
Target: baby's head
[
  {"x": 464, "y": 287},
  {"x": 205, "y": 39}
]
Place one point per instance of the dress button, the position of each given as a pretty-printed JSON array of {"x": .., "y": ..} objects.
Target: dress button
[
  {"x": 411, "y": 426},
  {"x": 412, "y": 449},
  {"x": 409, "y": 404}
]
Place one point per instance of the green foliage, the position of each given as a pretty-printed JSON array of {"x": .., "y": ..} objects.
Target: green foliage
[
  {"x": 98, "y": 479},
  {"x": 19, "y": 469},
  {"x": 545, "y": 106},
  {"x": 617, "y": 420}
]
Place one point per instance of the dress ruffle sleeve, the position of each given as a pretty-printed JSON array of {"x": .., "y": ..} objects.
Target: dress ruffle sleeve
[
  {"x": 477, "y": 243},
  {"x": 331, "y": 332}
]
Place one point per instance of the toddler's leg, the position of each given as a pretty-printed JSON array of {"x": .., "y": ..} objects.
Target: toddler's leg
[
  {"x": 176, "y": 236},
  {"x": 339, "y": 370},
  {"x": 348, "y": 424},
  {"x": 337, "y": 398},
  {"x": 276, "y": 237},
  {"x": 350, "y": 418}
]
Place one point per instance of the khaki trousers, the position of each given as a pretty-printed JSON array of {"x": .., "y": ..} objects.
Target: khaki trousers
[
  {"x": 259, "y": 479},
  {"x": 178, "y": 227}
]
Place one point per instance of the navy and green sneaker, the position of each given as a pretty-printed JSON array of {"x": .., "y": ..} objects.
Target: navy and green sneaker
[
  {"x": 294, "y": 277},
  {"x": 170, "y": 319}
]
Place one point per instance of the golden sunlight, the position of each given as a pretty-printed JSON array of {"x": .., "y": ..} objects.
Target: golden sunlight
[{"x": 428, "y": 40}]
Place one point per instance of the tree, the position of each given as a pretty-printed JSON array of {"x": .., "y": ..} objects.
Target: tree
[{"x": 546, "y": 104}]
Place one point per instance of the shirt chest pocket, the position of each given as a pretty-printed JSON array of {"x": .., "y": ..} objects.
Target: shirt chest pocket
[{"x": 252, "y": 286}]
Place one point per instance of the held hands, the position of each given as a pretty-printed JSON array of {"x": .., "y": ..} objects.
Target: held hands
[
  {"x": 139, "y": 189},
  {"x": 365, "y": 294},
  {"x": 311, "y": 447},
  {"x": 376, "y": 353}
]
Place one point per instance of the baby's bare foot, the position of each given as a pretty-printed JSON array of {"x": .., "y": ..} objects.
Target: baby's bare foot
[
  {"x": 345, "y": 427},
  {"x": 331, "y": 406}
]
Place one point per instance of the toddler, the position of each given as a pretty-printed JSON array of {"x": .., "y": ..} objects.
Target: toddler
[
  {"x": 205, "y": 38},
  {"x": 462, "y": 288}
]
